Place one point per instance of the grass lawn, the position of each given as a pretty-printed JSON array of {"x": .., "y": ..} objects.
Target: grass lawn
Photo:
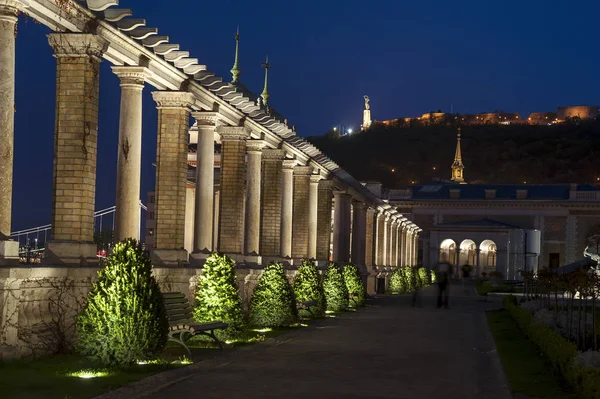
[
  {"x": 48, "y": 378},
  {"x": 526, "y": 370}
]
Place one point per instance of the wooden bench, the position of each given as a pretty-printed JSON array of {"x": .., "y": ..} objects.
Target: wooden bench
[
  {"x": 182, "y": 325},
  {"x": 306, "y": 306}
]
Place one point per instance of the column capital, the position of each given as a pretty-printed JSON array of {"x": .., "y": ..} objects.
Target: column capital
[
  {"x": 233, "y": 133},
  {"x": 206, "y": 118},
  {"x": 302, "y": 170},
  {"x": 255, "y": 146},
  {"x": 371, "y": 211},
  {"x": 315, "y": 179},
  {"x": 76, "y": 45},
  {"x": 131, "y": 75},
  {"x": 288, "y": 165},
  {"x": 9, "y": 9},
  {"x": 273, "y": 154},
  {"x": 359, "y": 205},
  {"x": 173, "y": 99}
]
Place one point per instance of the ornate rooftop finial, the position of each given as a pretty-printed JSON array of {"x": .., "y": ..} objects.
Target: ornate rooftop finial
[
  {"x": 457, "y": 165},
  {"x": 235, "y": 70},
  {"x": 265, "y": 94}
]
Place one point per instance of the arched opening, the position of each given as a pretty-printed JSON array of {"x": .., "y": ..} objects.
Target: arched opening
[
  {"x": 468, "y": 252},
  {"x": 448, "y": 251},
  {"x": 488, "y": 255}
]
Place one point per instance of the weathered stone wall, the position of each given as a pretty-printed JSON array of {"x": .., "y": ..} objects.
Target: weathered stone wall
[
  {"x": 171, "y": 174},
  {"x": 301, "y": 209},
  {"x": 270, "y": 232}
]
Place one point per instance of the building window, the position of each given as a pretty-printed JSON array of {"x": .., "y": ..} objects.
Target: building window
[
  {"x": 151, "y": 215},
  {"x": 553, "y": 260},
  {"x": 151, "y": 199},
  {"x": 491, "y": 255}
]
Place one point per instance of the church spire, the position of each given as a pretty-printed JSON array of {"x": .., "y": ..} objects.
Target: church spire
[
  {"x": 265, "y": 94},
  {"x": 235, "y": 70},
  {"x": 457, "y": 165}
]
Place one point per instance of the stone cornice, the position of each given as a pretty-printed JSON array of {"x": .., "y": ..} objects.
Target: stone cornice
[
  {"x": 302, "y": 171},
  {"x": 172, "y": 99},
  {"x": 273, "y": 154},
  {"x": 206, "y": 118},
  {"x": 77, "y": 45},
  {"x": 131, "y": 75},
  {"x": 9, "y": 9},
  {"x": 288, "y": 165},
  {"x": 233, "y": 133}
]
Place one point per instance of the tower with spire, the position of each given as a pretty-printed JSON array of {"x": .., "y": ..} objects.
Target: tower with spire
[
  {"x": 457, "y": 165},
  {"x": 235, "y": 70},
  {"x": 265, "y": 93}
]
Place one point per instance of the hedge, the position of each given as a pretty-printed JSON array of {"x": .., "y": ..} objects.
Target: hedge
[{"x": 558, "y": 351}]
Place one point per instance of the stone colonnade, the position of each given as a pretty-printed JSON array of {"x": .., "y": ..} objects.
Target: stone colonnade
[{"x": 272, "y": 201}]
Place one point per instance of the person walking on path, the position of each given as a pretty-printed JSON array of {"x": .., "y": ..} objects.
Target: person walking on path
[
  {"x": 416, "y": 299},
  {"x": 444, "y": 273}
]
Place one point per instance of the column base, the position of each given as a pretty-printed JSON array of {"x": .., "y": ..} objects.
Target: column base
[
  {"x": 9, "y": 253},
  {"x": 253, "y": 260},
  {"x": 169, "y": 257},
  {"x": 71, "y": 253},
  {"x": 198, "y": 259}
]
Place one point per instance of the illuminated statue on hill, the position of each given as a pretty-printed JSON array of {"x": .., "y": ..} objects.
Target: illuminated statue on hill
[
  {"x": 367, "y": 106},
  {"x": 366, "y": 115}
]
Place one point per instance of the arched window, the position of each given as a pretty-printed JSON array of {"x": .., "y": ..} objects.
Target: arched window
[
  {"x": 491, "y": 255},
  {"x": 448, "y": 251}
]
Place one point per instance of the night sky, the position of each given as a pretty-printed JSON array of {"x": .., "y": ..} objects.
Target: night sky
[{"x": 409, "y": 57}]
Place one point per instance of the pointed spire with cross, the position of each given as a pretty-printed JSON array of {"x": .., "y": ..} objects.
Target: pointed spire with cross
[
  {"x": 457, "y": 165},
  {"x": 265, "y": 94},
  {"x": 235, "y": 70}
]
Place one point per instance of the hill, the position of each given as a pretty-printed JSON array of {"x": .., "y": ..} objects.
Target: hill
[{"x": 495, "y": 154}]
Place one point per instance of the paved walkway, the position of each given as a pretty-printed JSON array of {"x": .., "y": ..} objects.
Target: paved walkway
[{"x": 388, "y": 350}]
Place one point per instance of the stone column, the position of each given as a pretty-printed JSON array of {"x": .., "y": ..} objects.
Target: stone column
[
  {"x": 341, "y": 227},
  {"x": 270, "y": 232},
  {"x": 313, "y": 208},
  {"x": 129, "y": 157},
  {"x": 380, "y": 237},
  {"x": 359, "y": 233},
  {"x": 9, "y": 250},
  {"x": 287, "y": 207},
  {"x": 78, "y": 59},
  {"x": 232, "y": 189},
  {"x": 253, "y": 186},
  {"x": 398, "y": 242},
  {"x": 205, "y": 186},
  {"x": 457, "y": 272},
  {"x": 301, "y": 212},
  {"x": 393, "y": 241},
  {"x": 477, "y": 264},
  {"x": 171, "y": 177},
  {"x": 324, "y": 222},
  {"x": 386, "y": 240},
  {"x": 370, "y": 249},
  {"x": 416, "y": 249}
]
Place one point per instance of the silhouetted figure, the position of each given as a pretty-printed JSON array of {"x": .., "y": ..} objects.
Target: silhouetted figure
[
  {"x": 416, "y": 300},
  {"x": 443, "y": 280}
]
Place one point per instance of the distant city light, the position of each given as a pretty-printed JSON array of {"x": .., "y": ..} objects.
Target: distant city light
[
  {"x": 335, "y": 129},
  {"x": 349, "y": 131},
  {"x": 393, "y": 170},
  {"x": 434, "y": 168}
]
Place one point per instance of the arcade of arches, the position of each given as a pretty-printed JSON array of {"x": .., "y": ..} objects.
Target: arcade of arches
[{"x": 482, "y": 256}]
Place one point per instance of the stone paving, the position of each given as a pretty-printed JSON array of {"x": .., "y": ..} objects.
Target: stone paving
[{"x": 389, "y": 350}]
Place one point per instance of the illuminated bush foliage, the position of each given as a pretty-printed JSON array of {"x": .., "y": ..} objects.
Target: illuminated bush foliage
[
  {"x": 423, "y": 277},
  {"x": 355, "y": 286},
  {"x": 336, "y": 292},
  {"x": 309, "y": 287},
  {"x": 124, "y": 319},
  {"x": 273, "y": 302},
  {"x": 407, "y": 279},
  {"x": 217, "y": 297}
]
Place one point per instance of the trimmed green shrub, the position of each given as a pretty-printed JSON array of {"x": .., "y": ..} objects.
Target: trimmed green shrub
[
  {"x": 273, "y": 303},
  {"x": 124, "y": 319},
  {"x": 559, "y": 352},
  {"x": 423, "y": 277},
  {"x": 356, "y": 289},
  {"x": 336, "y": 292},
  {"x": 396, "y": 285},
  {"x": 309, "y": 287},
  {"x": 217, "y": 296},
  {"x": 433, "y": 276}
]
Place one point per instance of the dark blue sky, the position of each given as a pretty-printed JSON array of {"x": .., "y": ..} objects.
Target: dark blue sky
[{"x": 409, "y": 57}]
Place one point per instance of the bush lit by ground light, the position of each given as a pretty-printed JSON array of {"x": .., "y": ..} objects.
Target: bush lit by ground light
[
  {"x": 124, "y": 318},
  {"x": 217, "y": 297},
  {"x": 273, "y": 303},
  {"x": 308, "y": 287},
  {"x": 336, "y": 292},
  {"x": 355, "y": 286}
]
